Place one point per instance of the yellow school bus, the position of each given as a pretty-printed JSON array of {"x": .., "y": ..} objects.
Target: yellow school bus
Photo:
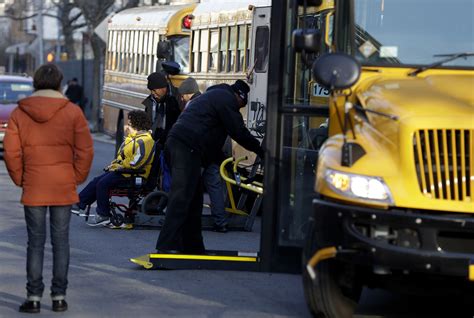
[
  {"x": 134, "y": 36},
  {"x": 394, "y": 200}
]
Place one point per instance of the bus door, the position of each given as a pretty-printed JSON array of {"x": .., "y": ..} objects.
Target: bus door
[
  {"x": 258, "y": 70},
  {"x": 296, "y": 120}
]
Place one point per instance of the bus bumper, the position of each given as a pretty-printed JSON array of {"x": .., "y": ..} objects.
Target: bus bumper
[{"x": 396, "y": 239}]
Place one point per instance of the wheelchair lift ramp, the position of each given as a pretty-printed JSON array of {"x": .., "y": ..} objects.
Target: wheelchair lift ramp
[{"x": 223, "y": 260}]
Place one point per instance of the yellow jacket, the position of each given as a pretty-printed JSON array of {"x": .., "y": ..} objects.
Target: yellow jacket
[{"x": 136, "y": 152}]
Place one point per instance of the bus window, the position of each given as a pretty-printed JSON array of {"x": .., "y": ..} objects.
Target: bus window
[
  {"x": 241, "y": 48},
  {"x": 232, "y": 47},
  {"x": 195, "y": 51},
  {"x": 180, "y": 49},
  {"x": 213, "y": 50},
  {"x": 145, "y": 53},
  {"x": 223, "y": 49},
  {"x": 204, "y": 50},
  {"x": 261, "y": 49}
]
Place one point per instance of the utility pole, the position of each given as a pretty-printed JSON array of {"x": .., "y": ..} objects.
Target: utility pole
[{"x": 39, "y": 31}]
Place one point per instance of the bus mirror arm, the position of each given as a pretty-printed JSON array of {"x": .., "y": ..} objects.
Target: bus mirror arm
[{"x": 249, "y": 72}]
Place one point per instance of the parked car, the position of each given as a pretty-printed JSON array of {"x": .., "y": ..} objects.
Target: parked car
[{"x": 12, "y": 89}]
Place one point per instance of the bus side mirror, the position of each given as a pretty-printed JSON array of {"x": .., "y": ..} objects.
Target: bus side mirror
[
  {"x": 336, "y": 70},
  {"x": 163, "y": 51},
  {"x": 308, "y": 40}
]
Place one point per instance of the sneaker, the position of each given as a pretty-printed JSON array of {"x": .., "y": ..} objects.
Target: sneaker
[
  {"x": 100, "y": 220},
  {"x": 75, "y": 209}
]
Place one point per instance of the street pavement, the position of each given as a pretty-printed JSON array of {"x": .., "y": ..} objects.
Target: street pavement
[{"x": 104, "y": 283}]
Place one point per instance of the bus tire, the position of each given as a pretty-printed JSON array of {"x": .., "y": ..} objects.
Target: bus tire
[
  {"x": 119, "y": 135},
  {"x": 325, "y": 297}
]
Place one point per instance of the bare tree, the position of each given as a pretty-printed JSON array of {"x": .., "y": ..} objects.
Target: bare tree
[
  {"x": 94, "y": 13},
  {"x": 64, "y": 13},
  {"x": 69, "y": 19}
]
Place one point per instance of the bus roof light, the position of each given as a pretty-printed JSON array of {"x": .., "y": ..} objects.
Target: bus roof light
[{"x": 187, "y": 20}]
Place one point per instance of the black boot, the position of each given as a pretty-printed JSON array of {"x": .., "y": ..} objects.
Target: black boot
[
  {"x": 30, "y": 306},
  {"x": 59, "y": 305}
]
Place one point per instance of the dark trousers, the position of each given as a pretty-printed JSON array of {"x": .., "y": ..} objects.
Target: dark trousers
[
  {"x": 35, "y": 217},
  {"x": 98, "y": 189},
  {"x": 182, "y": 228}
]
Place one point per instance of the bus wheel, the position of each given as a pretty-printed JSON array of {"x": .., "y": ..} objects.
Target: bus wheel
[
  {"x": 336, "y": 290},
  {"x": 119, "y": 132}
]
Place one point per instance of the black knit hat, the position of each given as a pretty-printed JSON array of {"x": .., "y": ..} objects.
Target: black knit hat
[
  {"x": 156, "y": 80},
  {"x": 242, "y": 89}
]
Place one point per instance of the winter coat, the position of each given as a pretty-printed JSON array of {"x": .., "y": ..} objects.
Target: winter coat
[
  {"x": 168, "y": 106},
  {"x": 136, "y": 152},
  {"x": 208, "y": 119},
  {"x": 48, "y": 149}
]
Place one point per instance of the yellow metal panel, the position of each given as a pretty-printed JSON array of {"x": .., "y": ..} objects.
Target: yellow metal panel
[
  {"x": 438, "y": 165},
  {"x": 430, "y": 166},
  {"x": 455, "y": 164},
  {"x": 421, "y": 162},
  {"x": 471, "y": 272},
  {"x": 205, "y": 257}
]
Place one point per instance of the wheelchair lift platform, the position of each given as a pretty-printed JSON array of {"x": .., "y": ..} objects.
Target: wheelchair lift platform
[{"x": 213, "y": 260}]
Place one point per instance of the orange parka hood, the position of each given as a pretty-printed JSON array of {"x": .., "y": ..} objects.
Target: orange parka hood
[{"x": 53, "y": 101}]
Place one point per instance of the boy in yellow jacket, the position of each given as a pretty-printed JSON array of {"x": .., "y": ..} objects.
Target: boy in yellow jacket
[{"x": 136, "y": 152}]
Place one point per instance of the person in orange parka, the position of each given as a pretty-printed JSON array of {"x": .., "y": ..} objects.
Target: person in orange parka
[{"x": 48, "y": 151}]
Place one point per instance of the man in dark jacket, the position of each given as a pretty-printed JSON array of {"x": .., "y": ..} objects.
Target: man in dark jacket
[
  {"x": 201, "y": 128},
  {"x": 161, "y": 106}
]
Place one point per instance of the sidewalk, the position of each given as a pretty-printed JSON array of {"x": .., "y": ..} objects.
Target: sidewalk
[{"x": 99, "y": 136}]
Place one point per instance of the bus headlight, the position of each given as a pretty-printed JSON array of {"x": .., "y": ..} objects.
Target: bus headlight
[
  {"x": 359, "y": 186},
  {"x": 4, "y": 125}
]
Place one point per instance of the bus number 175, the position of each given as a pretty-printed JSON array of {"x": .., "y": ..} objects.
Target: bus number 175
[{"x": 320, "y": 91}]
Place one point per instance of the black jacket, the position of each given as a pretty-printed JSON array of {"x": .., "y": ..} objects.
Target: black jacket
[
  {"x": 169, "y": 104},
  {"x": 209, "y": 118}
]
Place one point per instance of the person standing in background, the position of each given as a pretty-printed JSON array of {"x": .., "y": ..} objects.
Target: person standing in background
[
  {"x": 162, "y": 108},
  {"x": 48, "y": 152},
  {"x": 75, "y": 93}
]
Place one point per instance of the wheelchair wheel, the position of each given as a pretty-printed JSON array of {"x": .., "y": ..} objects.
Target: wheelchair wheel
[
  {"x": 117, "y": 219},
  {"x": 155, "y": 203}
]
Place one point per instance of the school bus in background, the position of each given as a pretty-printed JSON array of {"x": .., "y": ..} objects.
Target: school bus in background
[
  {"x": 230, "y": 41},
  {"x": 393, "y": 201},
  {"x": 133, "y": 39}
]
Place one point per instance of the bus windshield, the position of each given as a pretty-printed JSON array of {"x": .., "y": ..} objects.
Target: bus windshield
[
  {"x": 180, "y": 45},
  {"x": 413, "y": 32}
]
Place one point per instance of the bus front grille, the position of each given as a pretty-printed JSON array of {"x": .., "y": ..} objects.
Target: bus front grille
[{"x": 444, "y": 161}]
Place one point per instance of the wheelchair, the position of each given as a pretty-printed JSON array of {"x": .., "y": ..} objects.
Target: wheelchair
[{"x": 142, "y": 195}]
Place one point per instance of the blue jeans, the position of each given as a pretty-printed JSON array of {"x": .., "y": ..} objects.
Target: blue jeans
[
  {"x": 59, "y": 217},
  {"x": 98, "y": 190},
  {"x": 213, "y": 183}
]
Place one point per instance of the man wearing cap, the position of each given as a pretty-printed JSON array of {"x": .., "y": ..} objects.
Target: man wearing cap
[
  {"x": 161, "y": 107},
  {"x": 201, "y": 128},
  {"x": 188, "y": 90}
]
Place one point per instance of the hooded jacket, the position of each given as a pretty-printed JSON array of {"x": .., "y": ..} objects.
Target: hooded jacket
[
  {"x": 136, "y": 152},
  {"x": 48, "y": 149},
  {"x": 208, "y": 119}
]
